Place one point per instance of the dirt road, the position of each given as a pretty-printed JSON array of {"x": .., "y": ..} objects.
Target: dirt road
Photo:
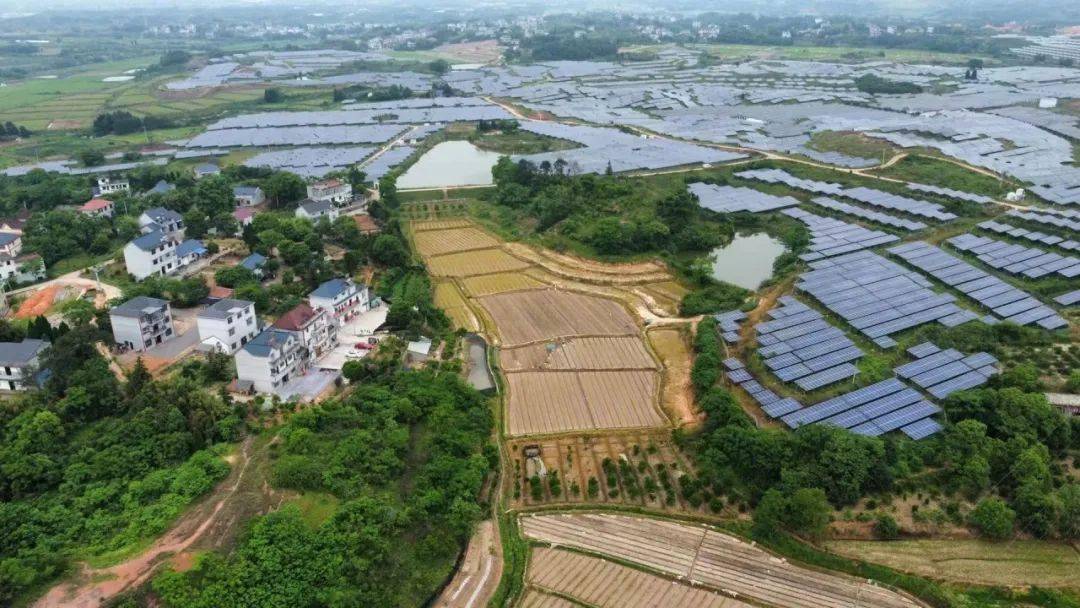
[
  {"x": 480, "y": 571},
  {"x": 94, "y": 586}
]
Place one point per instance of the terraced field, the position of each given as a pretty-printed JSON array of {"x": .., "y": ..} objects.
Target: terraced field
[
  {"x": 470, "y": 263},
  {"x": 432, "y": 243},
  {"x": 558, "y": 402},
  {"x": 599, "y": 353},
  {"x": 533, "y": 316},
  {"x": 708, "y": 558},
  {"x": 490, "y": 284}
]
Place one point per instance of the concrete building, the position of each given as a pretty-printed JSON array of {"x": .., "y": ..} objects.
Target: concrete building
[
  {"x": 255, "y": 263},
  {"x": 270, "y": 360},
  {"x": 342, "y": 298},
  {"x": 10, "y": 244},
  {"x": 142, "y": 322},
  {"x": 189, "y": 252},
  {"x": 206, "y": 170},
  {"x": 106, "y": 185},
  {"x": 98, "y": 207},
  {"x": 227, "y": 325},
  {"x": 316, "y": 210},
  {"x": 162, "y": 187},
  {"x": 248, "y": 196},
  {"x": 314, "y": 328},
  {"x": 244, "y": 217},
  {"x": 164, "y": 220},
  {"x": 333, "y": 191},
  {"x": 151, "y": 254},
  {"x": 18, "y": 362},
  {"x": 25, "y": 268}
]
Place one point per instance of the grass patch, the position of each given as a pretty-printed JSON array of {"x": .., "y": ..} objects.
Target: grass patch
[
  {"x": 519, "y": 142},
  {"x": 843, "y": 54},
  {"x": 936, "y": 172},
  {"x": 316, "y": 507},
  {"x": 851, "y": 143}
]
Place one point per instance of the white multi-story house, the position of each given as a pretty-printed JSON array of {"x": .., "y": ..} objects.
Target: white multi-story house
[
  {"x": 342, "y": 298},
  {"x": 248, "y": 196},
  {"x": 334, "y": 191},
  {"x": 314, "y": 328},
  {"x": 141, "y": 323},
  {"x": 10, "y": 244},
  {"x": 316, "y": 210},
  {"x": 151, "y": 254},
  {"x": 22, "y": 268},
  {"x": 18, "y": 361},
  {"x": 98, "y": 207},
  {"x": 106, "y": 185},
  {"x": 227, "y": 325},
  {"x": 162, "y": 220},
  {"x": 271, "y": 359}
]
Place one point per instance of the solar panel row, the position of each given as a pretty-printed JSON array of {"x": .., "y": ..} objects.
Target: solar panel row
[
  {"x": 943, "y": 372},
  {"x": 831, "y": 237},
  {"x": 874, "y": 216},
  {"x": 1017, "y": 259},
  {"x": 791, "y": 357},
  {"x": 1004, "y": 301},
  {"x": 729, "y": 199}
]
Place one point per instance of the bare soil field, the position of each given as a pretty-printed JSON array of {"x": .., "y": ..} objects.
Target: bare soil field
[
  {"x": 491, "y": 284},
  {"x": 422, "y": 225},
  {"x": 595, "y": 353},
  {"x": 449, "y": 298},
  {"x": 1017, "y": 563},
  {"x": 578, "y": 459},
  {"x": 560, "y": 402},
  {"x": 484, "y": 261},
  {"x": 478, "y": 575},
  {"x": 532, "y": 316},
  {"x": 438, "y": 242},
  {"x": 536, "y": 599},
  {"x": 604, "y": 584},
  {"x": 676, "y": 393},
  {"x": 480, "y": 51},
  {"x": 628, "y": 268},
  {"x": 596, "y": 272},
  {"x": 703, "y": 556}
]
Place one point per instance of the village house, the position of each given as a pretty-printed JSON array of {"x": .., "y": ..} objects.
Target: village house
[
  {"x": 270, "y": 360},
  {"x": 10, "y": 244},
  {"x": 163, "y": 220},
  {"x": 248, "y": 196},
  {"x": 314, "y": 328},
  {"x": 142, "y": 322},
  {"x": 227, "y": 325},
  {"x": 107, "y": 185},
  {"x": 151, "y": 254},
  {"x": 189, "y": 252},
  {"x": 255, "y": 263},
  {"x": 244, "y": 216},
  {"x": 342, "y": 298},
  {"x": 316, "y": 210},
  {"x": 98, "y": 207},
  {"x": 16, "y": 223},
  {"x": 25, "y": 268},
  {"x": 18, "y": 362},
  {"x": 335, "y": 191},
  {"x": 206, "y": 170},
  {"x": 162, "y": 187}
]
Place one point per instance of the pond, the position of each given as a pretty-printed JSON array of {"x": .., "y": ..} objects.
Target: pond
[
  {"x": 747, "y": 261},
  {"x": 451, "y": 163}
]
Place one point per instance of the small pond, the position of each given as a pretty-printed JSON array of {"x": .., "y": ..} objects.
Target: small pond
[
  {"x": 747, "y": 261},
  {"x": 448, "y": 164}
]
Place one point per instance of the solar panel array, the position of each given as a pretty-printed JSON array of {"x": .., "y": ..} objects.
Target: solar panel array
[
  {"x": 950, "y": 193},
  {"x": 943, "y": 372},
  {"x": 873, "y": 410},
  {"x": 310, "y": 162},
  {"x": 1004, "y": 301},
  {"x": 829, "y": 237},
  {"x": 1016, "y": 259},
  {"x": 728, "y": 324},
  {"x": 874, "y": 216},
  {"x": 1030, "y": 235},
  {"x": 771, "y": 403},
  {"x": 729, "y": 199},
  {"x": 798, "y": 345},
  {"x": 1069, "y": 220},
  {"x": 878, "y": 297},
  {"x": 311, "y": 135},
  {"x": 869, "y": 196},
  {"x": 1068, "y": 299}
]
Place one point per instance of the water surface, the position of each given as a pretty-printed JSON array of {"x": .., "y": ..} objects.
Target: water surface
[
  {"x": 747, "y": 261},
  {"x": 451, "y": 163}
]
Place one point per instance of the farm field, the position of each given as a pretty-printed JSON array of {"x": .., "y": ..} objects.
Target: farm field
[
  {"x": 558, "y": 402},
  {"x": 593, "y": 353},
  {"x": 1017, "y": 563},
  {"x": 676, "y": 393},
  {"x": 581, "y": 462},
  {"x": 706, "y": 557},
  {"x": 535, "y": 599},
  {"x": 424, "y": 225},
  {"x": 489, "y": 284},
  {"x": 565, "y": 266},
  {"x": 533, "y": 316},
  {"x": 449, "y": 298},
  {"x": 430, "y": 243},
  {"x": 604, "y": 584},
  {"x": 483, "y": 261}
]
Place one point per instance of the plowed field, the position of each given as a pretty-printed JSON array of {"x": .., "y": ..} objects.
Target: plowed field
[
  {"x": 484, "y": 261},
  {"x": 596, "y": 353},
  {"x": 559, "y": 402},
  {"x": 489, "y": 284},
  {"x": 430, "y": 243},
  {"x": 532, "y": 316}
]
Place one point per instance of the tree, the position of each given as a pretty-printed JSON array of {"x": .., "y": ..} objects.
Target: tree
[
  {"x": 388, "y": 250},
  {"x": 91, "y": 158},
  {"x": 1069, "y": 516},
  {"x": 886, "y": 528},
  {"x": 993, "y": 518},
  {"x": 273, "y": 95},
  {"x": 439, "y": 66},
  {"x": 284, "y": 189}
]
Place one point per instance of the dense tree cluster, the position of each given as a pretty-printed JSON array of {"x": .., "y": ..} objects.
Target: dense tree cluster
[
  {"x": 405, "y": 454},
  {"x": 122, "y": 122},
  {"x": 90, "y": 465},
  {"x": 874, "y": 84}
]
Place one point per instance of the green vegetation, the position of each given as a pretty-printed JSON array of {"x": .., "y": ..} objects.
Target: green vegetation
[
  {"x": 403, "y": 454},
  {"x": 851, "y": 143},
  {"x": 876, "y": 85},
  {"x": 939, "y": 172},
  {"x": 504, "y": 137},
  {"x": 92, "y": 466}
]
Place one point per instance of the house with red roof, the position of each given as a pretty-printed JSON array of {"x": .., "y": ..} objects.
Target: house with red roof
[{"x": 98, "y": 207}]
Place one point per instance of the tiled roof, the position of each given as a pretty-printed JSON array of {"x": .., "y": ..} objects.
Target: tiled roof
[{"x": 297, "y": 318}]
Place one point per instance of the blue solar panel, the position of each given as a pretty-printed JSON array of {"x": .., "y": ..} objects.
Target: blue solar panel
[
  {"x": 905, "y": 416},
  {"x": 940, "y": 374},
  {"x": 889, "y": 403},
  {"x": 928, "y": 363},
  {"x": 739, "y": 375},
  {"x": 732, "y": 363},
  {"x": 782, "y": 407},
  {"x": 921, "y": 350},
  {"x": 971, "y": 379},
  {"x": 921, "y": 429},
  {"x": 827, "y": 376}
]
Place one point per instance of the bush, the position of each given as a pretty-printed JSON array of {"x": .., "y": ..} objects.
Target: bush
[
  {"x": 886, "y": 527},
  {"x": 993, "y": 519}
]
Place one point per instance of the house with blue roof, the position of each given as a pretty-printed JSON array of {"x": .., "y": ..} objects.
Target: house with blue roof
[
  {"x": 341, "y": 298},
  {"x": 255, "y": 263},
  {"x": 271, "y": 359},
  {"x": 189, "y": 252},
  {"x": 152, "y": 254},
  {"x": 206, "y": 170},
  {"x": 163, "y": 220}
]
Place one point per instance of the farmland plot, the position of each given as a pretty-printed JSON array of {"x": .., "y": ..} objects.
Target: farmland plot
[
  {"x": 422, "y": 225},
  {"x": 604, "y": 584},
  {"x": 490, "y": 284},
  {"x": 438, "y": 242},
  {"x": 591, "y": 353},
  {"x": 560, "y": 402},
  {"x": 704, "y": 556},
  {"x": 593, "y": 272},
  {"x": 449, "y": 298},
  {"x": 676, "y": 395},
  {"x": 484, "y": 261},
  {"x": 532, "y": 316},
  {"x": 535, "y": 599}
]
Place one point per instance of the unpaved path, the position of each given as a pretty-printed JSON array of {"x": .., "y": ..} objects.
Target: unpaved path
[
  {"x": 94, "y": 586},
  {"x": 481, "y": 569}
]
